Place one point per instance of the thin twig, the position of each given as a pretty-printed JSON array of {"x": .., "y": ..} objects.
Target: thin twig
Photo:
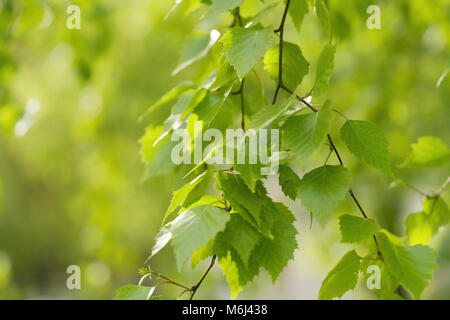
[
  {"x": 195, "y": 288},
  {"x": 242, "y": 105},
  {"x": 280, "y": 85},
  {"x": 280, "y": 56}
]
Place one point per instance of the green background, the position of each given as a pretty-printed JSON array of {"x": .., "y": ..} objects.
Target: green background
[{"x": 71, "y": 179}]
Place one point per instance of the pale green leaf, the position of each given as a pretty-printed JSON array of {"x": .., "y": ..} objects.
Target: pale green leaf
[
  {"x": 324, "y": 17},
  {"x": 191, "y": 230},
  {"x": 195, "y": 48},
  {"x": 169, "y": 96},
  {"x": 244, "y": 47},
  {"x": 295, "y": 66},
  {"x": 421, "y": 226},
  {"x": 268, "y": 114},
  {"x": 356, "y": 229},
  {"x": 367, "y": 142},
  {"x": 342, "y": 278},
  {"x": 325, "y": 67},
  {"x": 133, "y": 292},
  {"x": 412, "y": 266},
  {"x": 303, "y": 134},
  {"x": 180, "y": 195},
  {"x": 155, "y": 156},
  {"x": 224, "y": 5},
  {"x": 289, "y": 181},
  {"x": 298, "y": 9},
  {"x": 322, "y": 189},
  {"x": 428, "y": 152}
]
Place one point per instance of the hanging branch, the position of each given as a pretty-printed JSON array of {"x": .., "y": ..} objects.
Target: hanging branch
[{"x": 280, "y": 85}]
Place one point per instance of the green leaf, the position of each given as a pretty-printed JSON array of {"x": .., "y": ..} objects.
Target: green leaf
[
  {"x": 268, "y": 114},
  {"x": 243, "y": 47},
  {"x": 195, "y": 48},
  {"x": 241, "y": 236},
  {"x": 412, "y": 266},
  {"x": 289, "y": 181},
  {"x": 305, "y": 133},
  {"x": 295, "y": 66},
  {"x": 202, "y": 253},
  {"x": 208, "y": 109},
  {"x": 236, "y": 273},
  {"x": 342, "y": 278},
  {"x": 191, "y": 230},
  {"x": 235, "y": 188},
  {"x": 324, "y": 17},
  {"x": 133, "y": 292},
  {"x": 428, "y": 152},
  {"x": 169, "y": 96},
  {"x": 155, "y": 156},
  {"x": 274, "y": 254},
  {"x": 325, "y": 67},
  {"x": 250, "y": 173},
  {"x": 298, "y": 9},
  {"x": 355, "y": 229},
  {"x": 181, "y": 194},
  {"x": 322, "y": 189},
  {"x": 421, "y": 226},
  {"x": 367, "y": 143},
  {"x": 224, "y": 5}
]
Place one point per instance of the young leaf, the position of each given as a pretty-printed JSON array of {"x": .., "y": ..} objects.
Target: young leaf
[
  {"x": 289, "y": 181},
  {"x": 236, "y": 273},
  {"x": 268, "y": 114},
  {"x": 243, "y": 47},
  {"x": 224, "y": 5},
  {"x": 202, "y": 253},
  {"x": 155, "y": 156},
  {"x": 355, "y": 229},
  {"x": 325, "y": 67},
  {"x": 305, "y": 133},
  {"x": 274, "y": 254},
  {"x": 297, "y": 11},
  {"x": 191, "y": 230},
  {"x": 169, "y": 96},
  {"x": 324, "y": 17},
  {"x": 181, "y": 194},
  {"x": 367, "y": 143},
  {"x": 428, "y": 152},
  {"x": 412, "y": 266},
  {"x": 421, "y": 226},
  {"x": 250, "y": 173},
  {"x": 295, "y": 66},
  {"x": 322, "y": 189},
  {"x": 133, "y": 292},
  {"x": 342, "y": 278},
  {"x": 196, "y": 48}
]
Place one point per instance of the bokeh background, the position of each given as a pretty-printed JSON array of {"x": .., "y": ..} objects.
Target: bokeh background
[{"x": 71, "y": 179}]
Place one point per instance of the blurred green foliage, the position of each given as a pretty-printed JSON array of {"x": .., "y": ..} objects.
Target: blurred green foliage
[{"x": 71, "y": 179}]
